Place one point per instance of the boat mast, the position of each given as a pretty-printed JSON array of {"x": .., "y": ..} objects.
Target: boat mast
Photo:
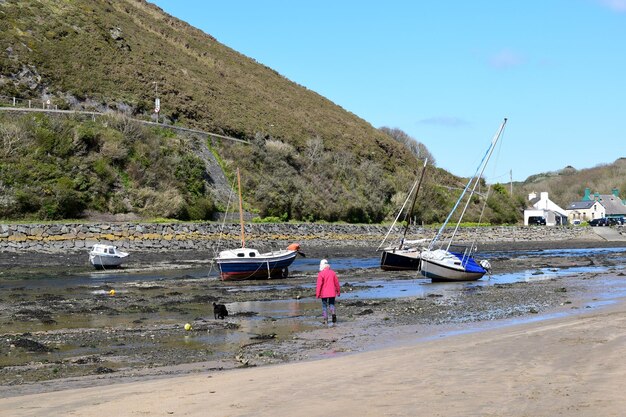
[
  {"x": 477, "y": 179},
  {"x": 243, "y": 239},
  {"x": 419, "y": 184},
  {"x": 481, "y": 168},
  {"x": 408, "y": 197}
]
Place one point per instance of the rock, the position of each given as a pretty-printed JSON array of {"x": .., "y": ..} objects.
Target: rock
[
  {"x": 264, "y": 337},
  {"x": 30, "y": 345}
]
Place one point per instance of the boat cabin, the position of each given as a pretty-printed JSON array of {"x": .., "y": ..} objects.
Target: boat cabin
[
  {"x": 105, "y": 250},
  {"x": 240, "y": 253}
]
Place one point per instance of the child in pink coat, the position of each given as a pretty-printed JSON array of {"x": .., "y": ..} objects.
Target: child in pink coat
[{"x": 327, "y": 289}]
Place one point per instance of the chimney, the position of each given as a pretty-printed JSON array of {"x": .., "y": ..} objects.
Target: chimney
[
  {"x": 615, "y": 192},
  {"x": 532, "y": 196}
]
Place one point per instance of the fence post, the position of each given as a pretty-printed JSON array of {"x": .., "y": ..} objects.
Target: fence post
[
  {"x": 13, "y": 101},
  {"x": 29, "y": 104}
]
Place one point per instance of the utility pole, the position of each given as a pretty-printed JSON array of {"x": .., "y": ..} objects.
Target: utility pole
[{"x": 511, "y": 180}]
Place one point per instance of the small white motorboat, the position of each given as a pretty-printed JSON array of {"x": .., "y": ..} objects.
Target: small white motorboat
[{"x": 106, "y": 256}]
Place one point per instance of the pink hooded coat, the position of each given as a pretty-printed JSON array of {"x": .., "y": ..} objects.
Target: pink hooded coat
[{"x": 327, "y": 284}]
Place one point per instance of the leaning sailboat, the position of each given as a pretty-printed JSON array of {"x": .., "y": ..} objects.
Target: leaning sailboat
[
  {"x": 245, "y": 263},
  {"x": 405, "y": 255},
  {"x": 440, "y": 262}
]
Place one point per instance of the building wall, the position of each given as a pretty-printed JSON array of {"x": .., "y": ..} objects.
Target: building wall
[{"x": 594, "y": 212}]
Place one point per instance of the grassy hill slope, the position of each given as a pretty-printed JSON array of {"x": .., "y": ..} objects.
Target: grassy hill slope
[
  {"x": 107, "y": 54},
  {"x": 307, "y": 158},
  {"x": 568, "y": 185}
]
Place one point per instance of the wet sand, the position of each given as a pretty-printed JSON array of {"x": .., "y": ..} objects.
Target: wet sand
[
  {"x": 521, "y": 349},
  {"x": 571, "y": 366}
]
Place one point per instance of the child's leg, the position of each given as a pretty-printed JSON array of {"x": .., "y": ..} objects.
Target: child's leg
[
  {"x": 325, "y": 309},
  {"x": 331, "y": 304}
]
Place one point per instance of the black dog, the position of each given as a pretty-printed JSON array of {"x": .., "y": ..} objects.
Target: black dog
[{"x": 219, "y": 311}]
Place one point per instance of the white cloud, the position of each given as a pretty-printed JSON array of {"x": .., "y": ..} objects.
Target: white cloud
[
  {"x": 448, "y": 121},
  {"x": 506, "y": 59},
  {"x": 615, "y": 5}
]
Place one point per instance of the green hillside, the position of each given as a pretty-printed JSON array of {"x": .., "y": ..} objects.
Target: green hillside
[
  {"x": 306, "y": 158},
  {"x": 568, "y": 185}
]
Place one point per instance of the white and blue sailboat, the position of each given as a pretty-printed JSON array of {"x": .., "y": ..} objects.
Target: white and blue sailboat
[{"x": 445, "y": 264}]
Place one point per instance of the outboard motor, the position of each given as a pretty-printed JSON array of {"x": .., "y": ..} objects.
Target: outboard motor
[
  {"x": 486, "y": 265},
  {"x": 296, "y": 247}
]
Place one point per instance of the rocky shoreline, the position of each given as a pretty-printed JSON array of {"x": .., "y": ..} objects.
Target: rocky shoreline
[{"x": 80, "y": 335}]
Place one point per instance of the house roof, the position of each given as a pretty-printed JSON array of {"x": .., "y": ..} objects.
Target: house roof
[
  {"x": 532, "y": 202},
  {"x": 581, "y": 205},
  {"x": 612, "y": 204},
  {"x": 544, "y": 203}
]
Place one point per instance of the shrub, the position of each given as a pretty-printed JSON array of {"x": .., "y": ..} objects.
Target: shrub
[
  {"x": 27, "y": 201},
  {"x": 190, "y": 171},
  {"x": 86, "y": 139},
  {"x": 114, "y": 148},
  {"x": 63, "y": 203},
  {"x": 152, "y": 203},
  {"x": 200, "y": 209}
]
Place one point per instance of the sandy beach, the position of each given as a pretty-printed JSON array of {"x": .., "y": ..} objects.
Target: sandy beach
[{"x": 567, "y": 366}]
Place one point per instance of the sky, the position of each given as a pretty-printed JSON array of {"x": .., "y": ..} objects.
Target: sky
[{"x": 447, "y": 72}]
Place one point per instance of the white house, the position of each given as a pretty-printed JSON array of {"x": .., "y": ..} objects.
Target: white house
[
  {"x": 596, "y": 206},
  {"x": 544, "y": 211},
  {"x": 583, "y": 211}
]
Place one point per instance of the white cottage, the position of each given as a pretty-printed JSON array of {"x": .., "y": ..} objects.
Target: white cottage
[
  {"x": 583, "y": 211},
  {"x": 596, "y": 206},
  {"x": 543, "y": 211}
]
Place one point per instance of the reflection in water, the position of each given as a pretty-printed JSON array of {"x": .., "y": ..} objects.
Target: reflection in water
[{"x": 280, "y": 317}]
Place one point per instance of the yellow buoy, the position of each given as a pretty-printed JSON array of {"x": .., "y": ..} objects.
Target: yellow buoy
[
  {"x": 112, "y": 292},
  {"x": 187, "y": 326}
]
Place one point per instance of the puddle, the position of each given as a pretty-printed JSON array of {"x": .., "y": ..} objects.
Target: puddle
[{"x": 568, "y": 253}]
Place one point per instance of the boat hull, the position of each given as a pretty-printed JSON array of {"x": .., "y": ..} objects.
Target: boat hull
[
  {"x": 400, "y": 260},
  {"x": 264, "y": 266},
  {"x": 453, "y": 267},
  {"x": 104, "y": 261}
]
